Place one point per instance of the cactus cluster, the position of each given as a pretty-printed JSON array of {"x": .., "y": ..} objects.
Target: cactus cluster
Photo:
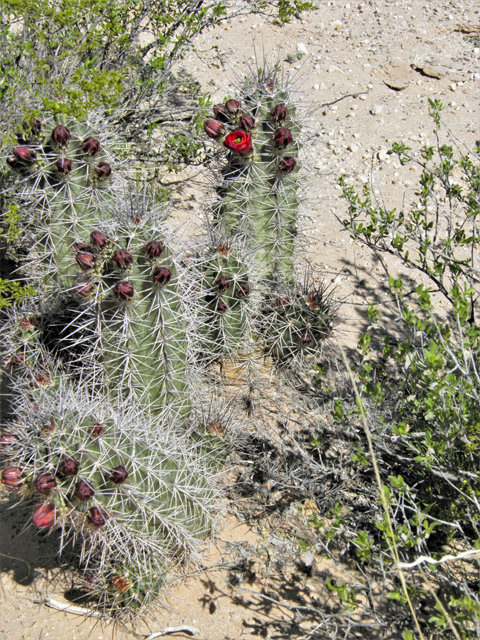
[{"x": 108, "y": 439}]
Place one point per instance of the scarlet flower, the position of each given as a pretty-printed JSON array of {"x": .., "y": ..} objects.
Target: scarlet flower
[
  {"x": 103, "y": 170},
  {"x": 213, "y": 128},
  {"x": 99, "y": 239},
  {"x": 61, "y": 135},
  {"x": 97, "y": 516},
  {"x": 282, "y": 137},
  {"x": 85, "y": 260},
  {"x": 45, "y": 483},
  {"x": 118, "y": 475},
  {"x": 69, "y": 467},
  {"x": 13, "y": 477},
  {"x": 90, "y": 146},
  {"x": 44, "y": 515},
  {"x": 64, "y": 165},
  {"x": 239, "y": 141},
  {"x": 279, "y": 112},
  {"x": 162, "y": 275},
  {"x": 232, "y": 106},
  {"x": 154, "y": 249},
  {"x": 247, "y": 122},
  {"x": 83, "y": 491},
  {"x": 122, "y": 258},
  {"x": 123, "y": 290},
  {"x": 287, "y": 165},
  {"x": 221, "y": 113}
]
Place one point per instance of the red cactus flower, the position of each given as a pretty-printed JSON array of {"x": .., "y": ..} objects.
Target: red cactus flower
[
  {"x": 83, "y": 491},
  {"x": 154, "y": 249},
  {"x": 220, "y": 112},
  {"x": 85, "y": 260},
  {"x": 45, "y": 483},
  {"x": 103, "y": 170},
  {"x": 123, "y": 290},
  {"x": 221, "y": 306},
  {"x": 24, "y": 155},
  {"x": 90, "y": 146},
  {"x": 161, "y": 275},
  {"x": 287, "y": 165},
  {"x": 84, "y": 289},
  {"x": 244, "y": 290},
  {"x": 45, "y": 515},
  {"x": 118, "y": 475},
  {"x": 97, "y": 429},
  {"x": 279, "y": 113},
  {"x": 247, "y": 122},
  {"x": 97, "y": 516},
  {"x": 232, "y": 106},
  {"x": 64, "y": 165},
  {"x": 13, "y": 477},
  {"x": 223, "y": 283},
  {"x": 99, "y": 239},
  {"x": 61, "y": 135},
  {"x": 213, "y": 128},
  {"x": 282, "y": 137},
  {"x": 240, "y": 142},
  {"x": 122, "y": 259},
  {"x": 69, "y": 467}
]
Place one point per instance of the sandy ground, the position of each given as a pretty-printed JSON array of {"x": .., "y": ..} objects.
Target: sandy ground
[{"x": 360, "y": 50}]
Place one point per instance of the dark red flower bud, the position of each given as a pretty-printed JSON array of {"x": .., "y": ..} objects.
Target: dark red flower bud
[
  {"x": 123, "y": 290},
  {"x": 162, "y": 275},
  {"x": 97, "y": 516},
  {"x": 280, "y": 302},
  {"x": 83, "y": 491},
  {"x": 118, "y": 475},
  {"x": 239, "y": 141},
  {"x": 306, "y": 338},
  {"x": 244, "y": 290},
  {"x": 103, "y": 170},
  {"x": 42, "y": 379},
  {"x": 213, "y": 128},
  {"x": 28, "y": 324},
  {"x": 121, "y": 583},
  {"x": 7, "y": 440},
  {"x": 80, "y": 246},
  {"x": 90, "y": 146},
  {"x": 85, "y": 260},
  {"x": 64, "y": 165},
  {"x": 24, "y": 155},
  {"x": 282, "y": 137},
  {"x": 122, "y": 259},
  {"x": 84, "y": 289},
  {"x": 220, "y": 112},
  {"x": 99, "y": 239},
  {"x": 221, "y": 306},
  {"x": 45, "y": 483},
  {"x": 45, "y": 515},
  {"x": 154, "y": 249},
  {"x": 232, "y": 106},
  {"x": 287, "y": 165},
  {"x": 279, "y": 113},
  {"x": 13, "y": 477},
  {"x": 32, "y": 127},
  {"x": 61, "y": 135},
  {"x": 69, "y": 467},
  {"x": 247, "y": 122},
  {"x": 222, "y": 284},
  {"x": 97, "y": 429}
]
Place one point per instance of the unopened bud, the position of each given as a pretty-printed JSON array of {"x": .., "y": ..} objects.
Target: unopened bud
[
  {"x": 213, "y": 128},
  {"x": 64, "y": 165},
  {"x": 99, "y": 239},
  {"x": 232, "y": 106},
  {"x": 90, "y": 146},
  {"x": 122, "y": 259},
  {"x": 85, "y": 260},
  {"x": 45, "y": 483},
  {"x": 247, "y": 122},
  {"x": 123, "y": 291},
  {"x": 282, "y": 137},
  {"x": 61, "y": 135},
  {"x": 287, "y": 165},
  {"x": 161, "y": 275},
  {"x": 45, "y": 515},
  {"x": 221, "y": 113},
  {"x": 221, "y": 306},
  {"x": 222, "y": 284},
  {"x": 69, "y": 467},
  {"x": 97, "y": 516},
  {"x": 279, "y": 113},
  {"x": 118, "y": 475},
  {"x": 83, "y": 491},
  {"x": 103, "y": 170},
  {"x": 24, "y": 156},
  {"x": 13, "y": 477},
  {"x": 154, "y": 249}
]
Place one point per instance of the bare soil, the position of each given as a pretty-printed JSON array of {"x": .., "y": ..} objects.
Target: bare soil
[{"x": 364, "y": 81}]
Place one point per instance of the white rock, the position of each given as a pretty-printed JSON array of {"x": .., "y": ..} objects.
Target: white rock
[
  {"x": 301, "y": 49},
  {"x": 336, "y": 24},
  {"x": 362, "y": 97},
  {"x": 353, "y": 147},
  {"x": 316, "y": 87},
  {"x": 376, "y": 109},
  {"x": 382, "y": 155}
]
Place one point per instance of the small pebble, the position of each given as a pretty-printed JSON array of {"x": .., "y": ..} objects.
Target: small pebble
[{"x": 376, "y": 109}]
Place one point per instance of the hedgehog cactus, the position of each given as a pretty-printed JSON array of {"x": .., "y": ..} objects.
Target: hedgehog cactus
[
  {"x": 258, "y": 193},
  {"x": 136, "y": 494}
]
